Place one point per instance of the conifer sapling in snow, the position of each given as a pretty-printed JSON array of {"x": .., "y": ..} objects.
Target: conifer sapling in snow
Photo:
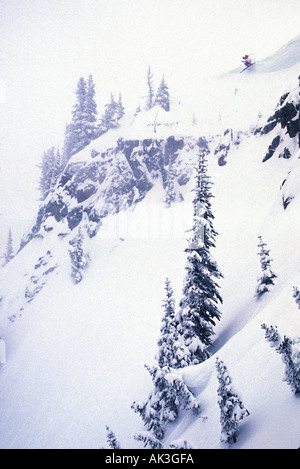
[
  {"x": 232, "y": 410},
  {"x": 171, "y": 348},
  {"x": 290, "y": 351},
  {"x": 163, "y": 96},
  {"x": 169, "y": 188},
  {"x": 120, "y": 108},
  {"x": 51, "y": 168},
  {"x": 199, "y": 305},
  {"x": 170, "y": 394},
  {"x": 112, "y": 439},
  {"x": 266, "y": 279},
  {"x": 79, "y": 260},
  {"x": 114, "y": 111},
  {"x": 149, "y": 440},
  {"x": 91, "y": 110},
  {"x": 168, "y": 328},
  {"x": 150, "y": 96}
]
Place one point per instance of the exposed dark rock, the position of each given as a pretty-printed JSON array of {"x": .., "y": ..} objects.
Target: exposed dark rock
[
  {"x": 74, "y": 217},
  {"x": 222, "y": 161},
  {"x": 86, "y": 192},
  {"x": 94, "y": 153},
  {"x": 57, "y": 208},
  {"x": 122, "y": 176},
  {"x": 286, "y": 114},
  {"x": 154, "y": 157},
  {"x": 68, "y": 173},
  {"x": 39, "y": 220},
  {"x": 293, "y": 128},
  {"x": 286, "y": 202},
  {"x": 268, "y": 127},
  {"x": 183, "y": 179},
  {"x": 143, "y": 185},
  {"x": 283, "y": 98},
  {"x": 172, "y": 148},
  {"x": 202, "y": 143},
  {"x": 87, "y": 172},
  {"x": 272, "y": 148},
  {"x": 128, "y": 147},
  {"x": 285, "y": 154}
]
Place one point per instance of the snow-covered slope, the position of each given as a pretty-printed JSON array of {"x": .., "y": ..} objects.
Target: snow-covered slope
[
  {"x": 286, "y": 57},
  {"x": 76, "y": 352}
]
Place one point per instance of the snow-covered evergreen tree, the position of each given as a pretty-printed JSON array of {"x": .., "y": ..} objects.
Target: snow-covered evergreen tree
[
  {"x": 149, "y": 440},
  {"x": 296, "y": 295},
  {"x": 111, "y": 113},
  {"x": 232, "y": 410},
  {"x": 266, "y": 279},
  {"x": 9, "y": 252},
  {"x": 79, "y": 260},
  {"x": 120, "y": 108},
  {"x": 114, "y": 111},
  {"x": 290, "y": 351},
  {"x": 76, "y": 134},
  {"x": 91, "y": 110},
  {"x": 150, "y": 96},
  {"x": 171, "y": 348},
  {"x": 83, "y": 127},
  {"x": 51, "y": 168},
  {"x": 170, "y": 394},
  {"x": 170, "y": 188},
  {"x": 112, "y": 439},
  {"x": 168, "y": 328},
  {"x": 163, "y": 96},
  {"x": 199, "y": 305}
]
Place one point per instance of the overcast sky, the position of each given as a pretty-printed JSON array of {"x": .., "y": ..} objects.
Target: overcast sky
[{"x": 46, "y": 45}]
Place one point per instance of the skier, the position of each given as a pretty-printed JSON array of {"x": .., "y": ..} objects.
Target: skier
[{"x": 247, "y": 60}]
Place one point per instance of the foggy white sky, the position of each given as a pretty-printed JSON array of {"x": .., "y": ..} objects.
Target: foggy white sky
[{"x": 46, "y": 45}]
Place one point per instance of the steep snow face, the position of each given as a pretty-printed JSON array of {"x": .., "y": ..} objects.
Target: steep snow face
[
  {"x": 286, "y": 57},
  {"x": 75, "y": 352}
]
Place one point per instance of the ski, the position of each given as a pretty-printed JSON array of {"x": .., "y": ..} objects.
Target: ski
[{"x": 248, "y": 66}]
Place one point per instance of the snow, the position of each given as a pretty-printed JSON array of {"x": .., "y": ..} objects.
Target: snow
[
  {"x": 76, "y": 353},
  {"x": 2, "y": 352}
]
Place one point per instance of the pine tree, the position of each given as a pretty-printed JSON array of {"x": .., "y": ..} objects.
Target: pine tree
[
  {"x": 266, "y": 279},
  {"x": 290, "y": 351},
  {"x": 168, "y": 328},
  {"x": 199, "y": 310},
  {"x": 113, "y": 112},
  {"x": 120, "y": 108},
  {"x": 169, "y": 395},
  {"x": 296, "y": 295},
  {"x": 78, "y": 131},
  {"x": 51, "y": 168},
  {"x": 91, "y": 110},
  {"x": 9, "y": 252},
  {"x": 162, "y": 96},
  {"x": 171, "y": 348},
  {"x": 150, "y": 96},
  {"x": 112, "y": 439},
  {"x": 170, "y": 189},
  {"x": 79, "y": 260},
  {"x": 232, "y": 410},
  {"x": 149, "y": 440}
]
